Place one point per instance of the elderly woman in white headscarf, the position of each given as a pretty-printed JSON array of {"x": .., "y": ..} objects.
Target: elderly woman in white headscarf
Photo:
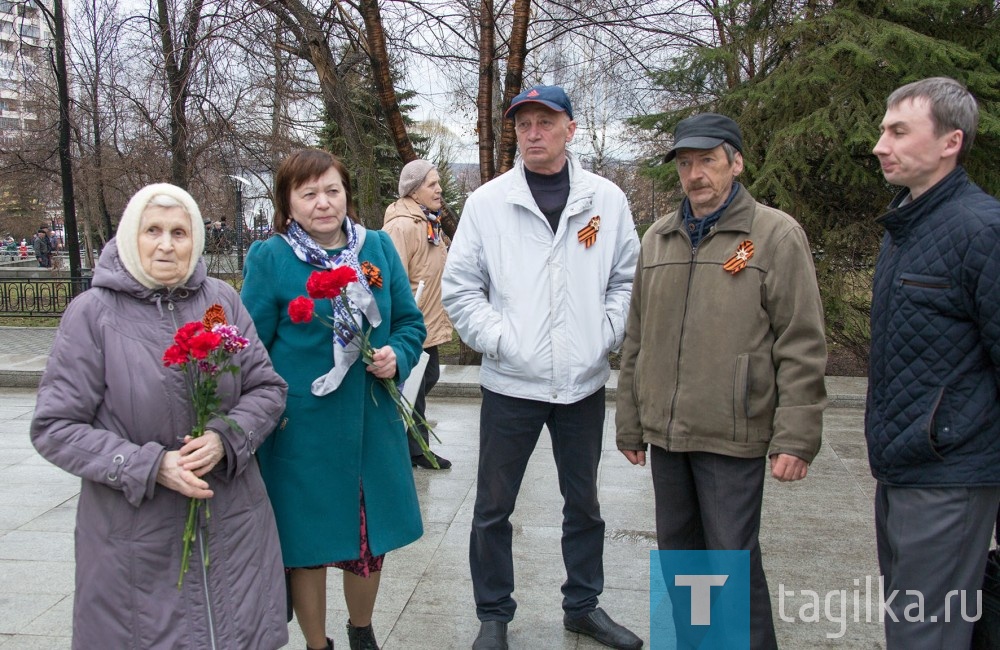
[
  {"x": 110, "y": 412},
  {"x": 413, "y": 224}
]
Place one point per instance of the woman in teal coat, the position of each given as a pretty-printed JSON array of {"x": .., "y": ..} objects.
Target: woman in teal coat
[{"x": 337, "y": 467}]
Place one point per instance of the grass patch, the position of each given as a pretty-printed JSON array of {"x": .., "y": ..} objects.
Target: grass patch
[{"x": 29, "y": 321}]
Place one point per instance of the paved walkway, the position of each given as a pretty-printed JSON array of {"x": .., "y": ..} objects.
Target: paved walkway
[{"x": 817, "y": 534}]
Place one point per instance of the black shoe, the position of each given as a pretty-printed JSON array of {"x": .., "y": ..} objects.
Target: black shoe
[
  {"x": 423, "y": 461},
  {"x": 599, "y": 626},
  {"x": 492, "y": 636},
  {"x": 361, "y": 638},
  {"x": 328, "y": 646}
]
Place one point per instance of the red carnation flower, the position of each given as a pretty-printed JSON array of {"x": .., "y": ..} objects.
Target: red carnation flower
[
  {"x": 300, "y": 310},
  {"x": 174, "y": 355},
  {"x": 187, "y": 332},
  {"x": 203, "y": 344},
  {"x": 329, "y": 284},
  {"x": 344, "y": 275}
]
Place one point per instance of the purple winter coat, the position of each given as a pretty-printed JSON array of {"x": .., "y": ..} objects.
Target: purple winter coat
[{"x": 107, "y": 411}]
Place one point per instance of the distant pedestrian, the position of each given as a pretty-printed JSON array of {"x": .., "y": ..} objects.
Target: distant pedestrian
[
  {"x": 42, "y": 246},
  {"x": 413, "y": 224},
  {"x": 22, "y": 250}
]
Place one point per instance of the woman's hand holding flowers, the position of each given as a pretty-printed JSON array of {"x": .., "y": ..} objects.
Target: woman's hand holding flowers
[
  {"x": 383, "y": 363},
  {"x": 172, "y": 475},
  {"x": 200, "y": 455}
]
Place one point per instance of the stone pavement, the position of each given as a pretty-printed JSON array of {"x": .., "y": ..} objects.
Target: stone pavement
[{"x": 816, "y": 534}]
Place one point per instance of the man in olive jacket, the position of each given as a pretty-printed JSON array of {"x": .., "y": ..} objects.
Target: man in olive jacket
[{"x": 724, "y": 356}]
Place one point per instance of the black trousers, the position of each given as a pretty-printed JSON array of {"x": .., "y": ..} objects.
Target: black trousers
[
  {"x": 710, "y": 502},
  {"x": 431, "y": 375},
  {"x": 508, "y": 432}
]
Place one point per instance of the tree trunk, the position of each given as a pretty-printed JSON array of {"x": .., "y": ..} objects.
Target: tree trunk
[
  {"x": 102, "y": 203},
  {"x": 381, "y": 71},
  {"x": 178, "y": 59},
  {"x": 484, "y": 98},
  {"x": 513, "y": 80},
  {"x": 72, "y": 241},
  {"x": 313, "y": 46}
]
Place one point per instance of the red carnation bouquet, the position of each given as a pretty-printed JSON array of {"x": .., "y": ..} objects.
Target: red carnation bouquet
[
  {"x": 203, "y": 350},
  {"x": 332, "y": 284}
]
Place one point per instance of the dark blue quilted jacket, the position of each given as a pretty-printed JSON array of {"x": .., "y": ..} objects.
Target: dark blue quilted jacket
[{"x": 933, "y": 416}]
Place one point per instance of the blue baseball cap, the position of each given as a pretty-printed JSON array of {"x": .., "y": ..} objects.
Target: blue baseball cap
[{"x": 552, "y": 97}]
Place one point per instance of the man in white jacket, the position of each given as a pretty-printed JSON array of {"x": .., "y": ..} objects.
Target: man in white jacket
[{"x": 538, "y": 279}]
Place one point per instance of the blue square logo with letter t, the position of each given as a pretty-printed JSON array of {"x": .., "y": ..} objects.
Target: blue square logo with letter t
[{"x": 699, "y": 600}]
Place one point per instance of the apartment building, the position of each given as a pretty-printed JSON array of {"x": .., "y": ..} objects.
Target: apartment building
[{"x": 24, "y": 43}]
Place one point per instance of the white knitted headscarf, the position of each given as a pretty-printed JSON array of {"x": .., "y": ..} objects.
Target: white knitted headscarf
[{"x": 127, "y": 236}]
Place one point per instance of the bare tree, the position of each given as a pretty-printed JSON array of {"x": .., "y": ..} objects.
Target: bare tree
[
  {"x": 308, "y": 32},
  {"x": 97, "y": 26}
]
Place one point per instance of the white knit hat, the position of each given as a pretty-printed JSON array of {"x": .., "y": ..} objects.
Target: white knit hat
[
  {"x": 413, "y": 174},
  {"x": 127, "y": 236}
]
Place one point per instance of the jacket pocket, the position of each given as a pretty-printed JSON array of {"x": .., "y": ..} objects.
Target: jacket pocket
[
  {"x": 932, "y": 416},
  {"x": 741, "y": 398},
  {"x": 281, "y": 442},
  {"x": 924, "y": 281},
  {"x": 121, "y": 515},
  {"x": 923, "y": 292}
]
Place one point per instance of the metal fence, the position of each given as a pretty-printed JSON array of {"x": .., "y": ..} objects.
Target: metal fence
[{"x": 28, "y": 297}]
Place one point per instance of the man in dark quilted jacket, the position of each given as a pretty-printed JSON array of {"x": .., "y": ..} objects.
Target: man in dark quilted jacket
[{"x": 933, "y": 416}]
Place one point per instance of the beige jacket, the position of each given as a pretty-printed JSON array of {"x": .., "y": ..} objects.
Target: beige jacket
[
  {"x": 407, "y": 226},
  {"x": 718, "y": 362}
]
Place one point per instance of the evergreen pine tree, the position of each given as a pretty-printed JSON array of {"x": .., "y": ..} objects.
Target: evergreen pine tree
[{"x": 810, "y": 117}]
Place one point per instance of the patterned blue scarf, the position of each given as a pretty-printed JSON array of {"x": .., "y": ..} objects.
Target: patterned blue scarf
[{"x": 346, "y": 321}]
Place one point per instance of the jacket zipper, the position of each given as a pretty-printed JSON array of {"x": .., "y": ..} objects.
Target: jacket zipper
[
  {"x": 204, "y": 582},
  {"x": 680, "y": 344},
  {"x": 924, "y": 285},
  {"x": 201, "y": 539}
]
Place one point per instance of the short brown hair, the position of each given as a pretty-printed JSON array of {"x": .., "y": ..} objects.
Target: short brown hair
[
  {"x": 300, "y": 167},
  {"x": 952, "y": 107}
]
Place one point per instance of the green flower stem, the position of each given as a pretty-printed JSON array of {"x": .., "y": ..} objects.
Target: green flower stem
[{"x": 406, "y": 412}]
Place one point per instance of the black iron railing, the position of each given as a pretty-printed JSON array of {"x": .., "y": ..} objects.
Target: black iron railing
[{"x": 20, "y": 296}]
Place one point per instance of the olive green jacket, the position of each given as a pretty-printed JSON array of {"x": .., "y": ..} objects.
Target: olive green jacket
[{"x": 722, "y": 362}]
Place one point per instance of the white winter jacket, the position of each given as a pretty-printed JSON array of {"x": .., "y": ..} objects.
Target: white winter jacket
[{"x": 543, "y": 308}]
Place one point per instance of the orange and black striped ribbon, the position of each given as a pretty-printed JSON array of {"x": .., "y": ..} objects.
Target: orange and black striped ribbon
[
  {"x": 372, "y": 274},
  {"x": 588, "y": 234},
  {"x": 739, "y": 260},
  {"x": 214, "y": 315}
]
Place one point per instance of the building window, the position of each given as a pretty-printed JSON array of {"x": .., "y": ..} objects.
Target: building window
[
  {"x": 10, "y": 123},
  {"x": 30, "y": 31}
]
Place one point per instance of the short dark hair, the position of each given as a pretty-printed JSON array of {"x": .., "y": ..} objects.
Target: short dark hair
[
  {"x": 952, "y": 107},
  {"x": 300, "y": 167}
]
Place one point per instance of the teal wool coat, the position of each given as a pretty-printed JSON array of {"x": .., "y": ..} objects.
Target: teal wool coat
[{"x": 325, "y": 449}]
